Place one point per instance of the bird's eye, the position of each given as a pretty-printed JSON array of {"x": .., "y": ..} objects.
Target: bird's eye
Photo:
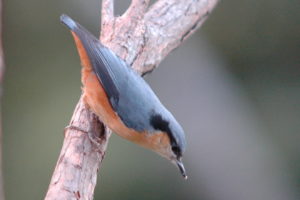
[{"x": 176, "y": 150}]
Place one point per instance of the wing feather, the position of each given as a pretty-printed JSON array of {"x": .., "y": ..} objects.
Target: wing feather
[{"x": 130, "y": 96}]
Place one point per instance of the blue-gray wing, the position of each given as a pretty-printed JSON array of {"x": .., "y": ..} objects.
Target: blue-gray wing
[
  {"x": 130, "y": 96},
  {"x": 103, "y": 61},
  {"x": 100, "y": 59}
]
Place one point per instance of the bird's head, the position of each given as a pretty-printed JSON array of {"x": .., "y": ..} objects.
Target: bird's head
[{"x": 173, "y": 146}]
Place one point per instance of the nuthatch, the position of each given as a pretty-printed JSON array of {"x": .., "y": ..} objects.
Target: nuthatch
[{"x": 123, "y": 100}]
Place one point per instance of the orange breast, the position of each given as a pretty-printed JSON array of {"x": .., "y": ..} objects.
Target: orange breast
[{"x": 96, "y": 98}]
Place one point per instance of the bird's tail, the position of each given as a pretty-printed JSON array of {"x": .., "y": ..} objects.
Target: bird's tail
[
  {"x": 75, "y": 27},
  {"x": 84, "y": 40},
  {"x": 70, "y": 23}
]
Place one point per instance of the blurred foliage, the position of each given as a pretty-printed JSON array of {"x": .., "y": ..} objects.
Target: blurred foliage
[{"x": 260, "y": 41}]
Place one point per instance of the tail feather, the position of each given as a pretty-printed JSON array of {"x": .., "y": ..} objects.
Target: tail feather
[
  {"x": 79, "y": 30},
  {"x": 69, "y": 22}
]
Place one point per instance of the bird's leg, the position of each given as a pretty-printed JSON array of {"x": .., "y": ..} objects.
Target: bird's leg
[{"x": 75, "y": 128}]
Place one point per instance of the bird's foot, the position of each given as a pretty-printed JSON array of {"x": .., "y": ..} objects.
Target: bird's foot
[{"x": 75, "y": 128}]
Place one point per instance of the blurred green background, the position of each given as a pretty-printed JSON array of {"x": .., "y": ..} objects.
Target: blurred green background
[{"x": 234, "y": 86}]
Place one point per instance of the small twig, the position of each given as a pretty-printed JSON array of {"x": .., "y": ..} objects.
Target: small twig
[
  {"x": 137, "y": 10},
  {"x": 107, "y": 19},
  {"x": 107, "y": 11}
]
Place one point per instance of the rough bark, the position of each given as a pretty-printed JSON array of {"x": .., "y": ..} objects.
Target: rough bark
[
  {"x": 76, "y": 169},
  {"x": 143, "y": 38}
]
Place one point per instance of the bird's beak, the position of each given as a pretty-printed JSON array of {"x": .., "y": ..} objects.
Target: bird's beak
[{"x": 181, "y": 168}]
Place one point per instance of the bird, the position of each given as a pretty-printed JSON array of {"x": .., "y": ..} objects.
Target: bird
[{"x": 123, "y": 100}]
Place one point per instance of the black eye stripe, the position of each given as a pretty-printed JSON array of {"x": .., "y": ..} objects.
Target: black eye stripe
[
  {"x": 176, "y": 151},
  {"x": 159, "y": 123}
]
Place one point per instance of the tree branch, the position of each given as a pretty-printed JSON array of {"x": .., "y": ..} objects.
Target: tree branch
[
  {"x": 75, "y": 174},
  {"x": 142, "y": 39},
  {"x": 144, "y": 44},
  {"x": 136, "y": 10},
  {"x": 168, "y": 24},
  {"x": 107, "y": 18}
]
